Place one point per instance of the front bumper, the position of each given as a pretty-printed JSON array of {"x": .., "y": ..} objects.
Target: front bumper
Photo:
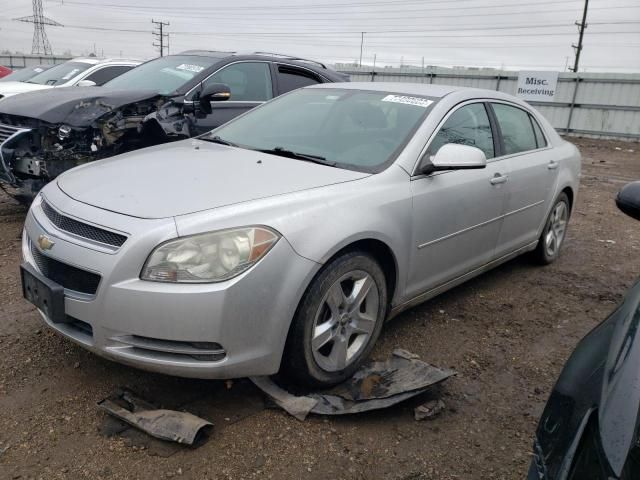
[{"x": 220, "y": 330}]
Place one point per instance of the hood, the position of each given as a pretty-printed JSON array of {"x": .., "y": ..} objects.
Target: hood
[
  {"x": 8, "y": 89},
  {"x": 602, "y": 374},
  {"x": 74, "y": 106},
  {"x": 190, "y": 176}
]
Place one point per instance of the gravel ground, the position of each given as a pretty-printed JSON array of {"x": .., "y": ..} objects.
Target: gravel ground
[{"x": 507, "y": 333}]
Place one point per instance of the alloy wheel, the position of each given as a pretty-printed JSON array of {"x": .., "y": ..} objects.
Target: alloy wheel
[
  {"x": 556, "y": 228},
  {"x": 345, "y": 321}
]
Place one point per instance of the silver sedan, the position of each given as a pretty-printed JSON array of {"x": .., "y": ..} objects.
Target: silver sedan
[{"x": 284, "y": 239}]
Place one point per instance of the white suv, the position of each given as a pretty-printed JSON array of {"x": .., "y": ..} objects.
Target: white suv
[{"x": 79, "y": 72}]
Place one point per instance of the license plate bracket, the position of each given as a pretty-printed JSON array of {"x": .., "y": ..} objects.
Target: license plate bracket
[{"x": 45, "y": 294}]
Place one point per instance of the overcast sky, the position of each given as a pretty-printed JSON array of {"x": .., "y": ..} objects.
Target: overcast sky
[{"x": 492, "y": 33}]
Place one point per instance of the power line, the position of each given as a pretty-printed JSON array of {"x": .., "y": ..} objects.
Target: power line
[
  {"x": 244, "y": 18},
  {"x": 395, "y": 31},
  {"x": 275, "y": 9}
]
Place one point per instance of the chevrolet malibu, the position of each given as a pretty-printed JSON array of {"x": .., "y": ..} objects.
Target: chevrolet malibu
[{"x": 284, "y": 239}]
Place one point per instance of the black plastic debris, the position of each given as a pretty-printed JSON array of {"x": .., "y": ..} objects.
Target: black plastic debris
[
  {"x": 180, "y": 427},
  {"x": 376, "y": 385}
]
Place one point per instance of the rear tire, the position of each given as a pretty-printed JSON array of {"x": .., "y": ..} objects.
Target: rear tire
[
  {"x": 554, "y": 232},
  {"x": 337, "y": 322}
]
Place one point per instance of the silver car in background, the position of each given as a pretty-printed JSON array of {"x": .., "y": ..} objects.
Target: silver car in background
[{"x": 284, "y": 239}]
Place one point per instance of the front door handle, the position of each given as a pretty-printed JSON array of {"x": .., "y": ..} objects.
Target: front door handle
[
  {"x": 498, "y": 179},
  {"x": 552, "y": 165}
]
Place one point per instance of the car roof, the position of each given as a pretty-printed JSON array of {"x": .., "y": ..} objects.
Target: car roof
[
  {"x": 426, "y": 90},
  {"x": 100, "y": 61},
  {"x": 257, "y": 55}
]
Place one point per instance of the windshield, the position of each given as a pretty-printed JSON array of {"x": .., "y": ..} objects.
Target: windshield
[
  {"x": 163, "y": 75},
  {"x": 24, "y": 74},
  {"x": 360, "y": 130},
  {"x": 60, "y": 74}
]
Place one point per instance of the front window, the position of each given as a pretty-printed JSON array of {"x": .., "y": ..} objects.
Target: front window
[
  {"x": 247, "y": 81},
  {"x": 60, "y": 74},
  {"x": 164, "y": 75},
  {"x": 468, "y": 125},
  {"x": 359, "y": 130}
]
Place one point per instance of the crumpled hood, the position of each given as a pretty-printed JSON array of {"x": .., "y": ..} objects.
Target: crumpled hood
[
  {"x": 8, "y": 89},
  {"x": 74, "y": 106},
  {"x": 190, "y": 176}
]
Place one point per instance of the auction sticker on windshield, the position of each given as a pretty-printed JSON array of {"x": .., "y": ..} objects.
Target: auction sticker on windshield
[
  {"x": 71, "y": 74},
  {"x": 190, "y": 68},
  {"x": 417, "y": 101}
]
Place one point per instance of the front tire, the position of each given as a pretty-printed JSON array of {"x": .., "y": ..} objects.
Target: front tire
[
  {"x": 337, "y": 322},
  {"x": 554, "y": 232}
]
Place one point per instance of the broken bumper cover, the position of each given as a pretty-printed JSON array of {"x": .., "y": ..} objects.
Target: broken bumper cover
[{"x": 223, "y": 330}]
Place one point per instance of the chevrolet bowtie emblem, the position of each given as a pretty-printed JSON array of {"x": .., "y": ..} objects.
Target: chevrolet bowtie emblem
[{"x": 45, "y": 243}]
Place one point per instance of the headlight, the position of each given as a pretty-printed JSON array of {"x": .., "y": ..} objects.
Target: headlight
[
  {"x": 64, "y": 132},
  {"x": 209, "y": 257}
]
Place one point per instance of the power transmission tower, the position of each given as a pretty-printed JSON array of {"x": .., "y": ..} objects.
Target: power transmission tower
[
  {"x": 581, "y": 26},
  {"x": 40, "y": 43},
  {"x": 161, "y": 36}
]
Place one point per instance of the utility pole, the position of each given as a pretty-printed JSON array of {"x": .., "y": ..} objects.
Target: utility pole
[
  {"x": 581, "y": 26},
  {"x": 40, "y": 43},
  {"x": 160, "y": 35},
  {"x": 373, "y": 70},
  {"x": 361, "y": 45}
]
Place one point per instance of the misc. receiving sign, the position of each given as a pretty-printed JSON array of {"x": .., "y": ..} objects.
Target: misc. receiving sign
[{"x": 540, "y": 86}]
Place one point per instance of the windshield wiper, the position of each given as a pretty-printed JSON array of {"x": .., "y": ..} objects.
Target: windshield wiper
[
  {"x": 220, "y": 140},
  {"x": 283, "y": 152}
]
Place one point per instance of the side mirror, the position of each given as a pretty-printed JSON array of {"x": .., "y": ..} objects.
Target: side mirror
[
  {"x": 214, "y": 92},
  {"x": 628, "y": 199},
  {"x": 86, "y": 83},
  {"x": 453, "y": 156}
]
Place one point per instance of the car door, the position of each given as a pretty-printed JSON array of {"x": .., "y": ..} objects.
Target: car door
[
  {"x": 457, "y": 214},
  {"x": 250, "y": 84},
  {"x": 532, "y": 176},
  {"x": 289, "y": 78}
]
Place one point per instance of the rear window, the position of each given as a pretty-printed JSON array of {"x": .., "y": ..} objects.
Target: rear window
[
  {"x": 290, "y": 78},
  {"x": 540, "y": 140},
  {"x": 516, "y": 128}
]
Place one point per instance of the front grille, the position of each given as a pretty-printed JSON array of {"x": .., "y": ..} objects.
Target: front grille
[
  {"x": 81, "y": 229},
  {"x": 6, "y": 131},
  {"x": 71, "y": 278}
]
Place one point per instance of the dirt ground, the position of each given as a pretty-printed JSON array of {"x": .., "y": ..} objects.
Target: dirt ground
[{"x": 507, "y": 333}]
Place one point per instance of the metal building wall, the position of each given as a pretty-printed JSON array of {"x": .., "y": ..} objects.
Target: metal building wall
[{"x": 605, "y": 105}]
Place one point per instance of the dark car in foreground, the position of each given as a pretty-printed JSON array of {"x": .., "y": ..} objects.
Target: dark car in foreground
[
  {"x": 42, "y": 134},
  {"x": 589, "y": 428}
]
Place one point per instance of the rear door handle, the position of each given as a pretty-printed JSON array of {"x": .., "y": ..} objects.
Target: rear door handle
[
  {"x": 497, "y": 179},
  {"x": 552, "y": 165}
]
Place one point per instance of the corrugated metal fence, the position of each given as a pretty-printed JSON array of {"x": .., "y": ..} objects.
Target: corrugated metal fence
[
  {"x": 22, "y": 61},
  {"x": 602, "y": 105}
]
